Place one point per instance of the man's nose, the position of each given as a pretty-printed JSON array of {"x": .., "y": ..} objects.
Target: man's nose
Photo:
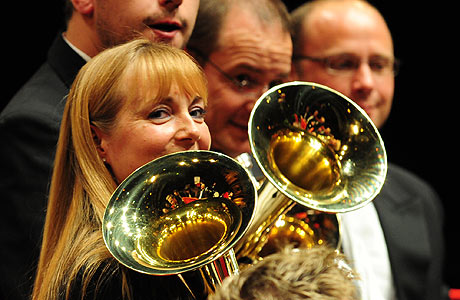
[
  {"x": 257, "y": 92},
  {"x": 170, "y": 4},
  {"x": 363, "y": 79},
  {"x": 249, "y": 106}
]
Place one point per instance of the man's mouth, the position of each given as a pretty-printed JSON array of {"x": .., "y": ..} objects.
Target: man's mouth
[{"x": 166, "y": 28}]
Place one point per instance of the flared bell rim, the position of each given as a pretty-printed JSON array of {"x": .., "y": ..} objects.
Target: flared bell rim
[
  {"x": 124, "y": 253},
  {"x": 259, "y": 149}
]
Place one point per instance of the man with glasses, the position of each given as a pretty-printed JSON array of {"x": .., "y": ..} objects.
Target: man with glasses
[
  {"x": 395, "y": 242},
  {"x": 244, "y": 48}
]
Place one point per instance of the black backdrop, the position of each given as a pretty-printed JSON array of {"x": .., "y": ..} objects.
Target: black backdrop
[{"x": 419, "y": 135}]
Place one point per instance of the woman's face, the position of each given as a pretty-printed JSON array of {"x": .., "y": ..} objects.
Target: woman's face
[{"x": 145, "y": 130}]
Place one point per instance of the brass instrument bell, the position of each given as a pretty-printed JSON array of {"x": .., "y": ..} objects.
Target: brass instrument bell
[
  {"x": 321, "y": 154},
  {"x": 179, "y": 213},
  {"x": 318, "y": 147}
]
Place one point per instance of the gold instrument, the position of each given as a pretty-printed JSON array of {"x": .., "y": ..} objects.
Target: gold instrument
[
  {"x": 321, "y": 154},
  {"x": 181, "y": 212}
]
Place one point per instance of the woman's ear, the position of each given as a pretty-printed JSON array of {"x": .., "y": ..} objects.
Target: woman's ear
[
  {"x": 84, "y": 7},
  {"x": 98, "y": 139}
]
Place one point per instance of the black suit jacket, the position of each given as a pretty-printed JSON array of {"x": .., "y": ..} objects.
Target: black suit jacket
[
  {"x": 29, "y": 130},
  {"x": 411, "y": 217}
]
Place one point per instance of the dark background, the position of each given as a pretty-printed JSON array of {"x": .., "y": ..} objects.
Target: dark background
[{"x": 420, "y": 135}]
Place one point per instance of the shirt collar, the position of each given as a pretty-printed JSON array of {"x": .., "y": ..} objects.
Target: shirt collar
[{"x": 83, "y": 55}]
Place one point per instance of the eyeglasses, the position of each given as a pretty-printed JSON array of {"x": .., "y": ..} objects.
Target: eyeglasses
[
  {"x": 347, "y": 64},
  {"x": 242, "y": 83}
]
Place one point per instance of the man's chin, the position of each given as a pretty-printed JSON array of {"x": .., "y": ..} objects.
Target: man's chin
[{"x": 178, "y": 42}]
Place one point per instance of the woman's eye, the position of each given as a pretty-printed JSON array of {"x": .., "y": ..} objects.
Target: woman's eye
[
  {"x": 197, "y": 113},
  {"x": 159, "y": 114}
]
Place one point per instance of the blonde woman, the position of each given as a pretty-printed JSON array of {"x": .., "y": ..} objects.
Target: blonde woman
[{"x": 128, "y": 105}]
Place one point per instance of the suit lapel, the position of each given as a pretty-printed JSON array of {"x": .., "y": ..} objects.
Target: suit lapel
[
  {"x": 402, "y": 219},
  {"x": 64, "y": 60}
]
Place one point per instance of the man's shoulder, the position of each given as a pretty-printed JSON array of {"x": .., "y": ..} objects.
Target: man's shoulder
[
  {"x": 403, "y": 178},
  {"x": 42, "y": 96},
  {"x": 403, "y": 186}
]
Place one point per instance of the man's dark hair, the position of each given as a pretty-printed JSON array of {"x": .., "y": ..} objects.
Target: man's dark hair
[{"x": 212, "y": 14}]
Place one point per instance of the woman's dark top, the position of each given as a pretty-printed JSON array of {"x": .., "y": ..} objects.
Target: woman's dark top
[{"x": 142, "y": 286}]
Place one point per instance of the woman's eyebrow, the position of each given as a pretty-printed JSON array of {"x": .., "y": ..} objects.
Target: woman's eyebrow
[
  {"x": 197, "y": 99},
  {"x": 166, "y": 100}
]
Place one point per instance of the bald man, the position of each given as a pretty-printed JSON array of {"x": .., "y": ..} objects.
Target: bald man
[{"x": 395, "y": 243}]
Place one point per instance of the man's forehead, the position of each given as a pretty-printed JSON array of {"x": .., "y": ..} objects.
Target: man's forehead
[
  {"x": 241, "y": 20},
  {"x": 255, "y": 55},
  {"x": 247, "y": 41},
  {"x": 339, "y": 31},
  {"x": 268, "y": 43}
]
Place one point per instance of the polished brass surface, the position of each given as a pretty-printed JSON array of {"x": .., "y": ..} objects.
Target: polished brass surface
[
  {"x": 302, "y": 228},
  {"x": 317, "y": 146},
  {"x": 316, "y": 168},
  {"x": 181, "y": 212},
  {"x": 321, "y": 154},
  {"x": 187, "y": 233}
]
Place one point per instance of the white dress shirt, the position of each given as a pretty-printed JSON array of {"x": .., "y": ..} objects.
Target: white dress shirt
[{"x": 364, "y": 246}]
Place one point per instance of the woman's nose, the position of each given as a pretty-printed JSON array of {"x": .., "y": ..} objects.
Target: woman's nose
[{"x": 188, "y": 131}]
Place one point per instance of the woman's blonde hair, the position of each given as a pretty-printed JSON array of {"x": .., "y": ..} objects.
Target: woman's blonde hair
[{"x": 81, "y": 184}]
